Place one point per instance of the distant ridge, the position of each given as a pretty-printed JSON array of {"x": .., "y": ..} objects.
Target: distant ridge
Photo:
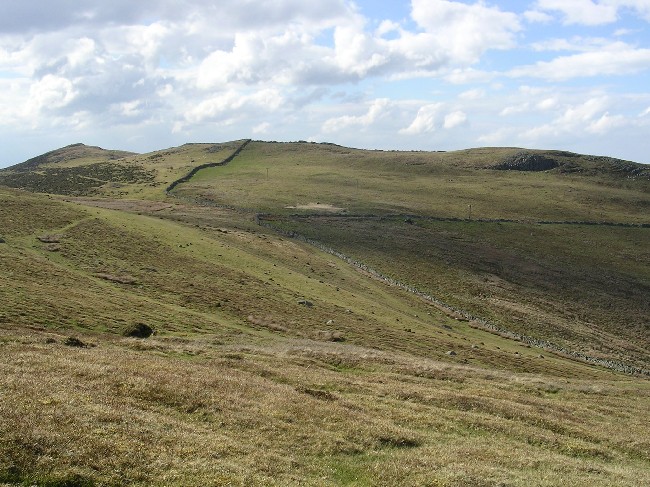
[{"x": 72, "y": 152}]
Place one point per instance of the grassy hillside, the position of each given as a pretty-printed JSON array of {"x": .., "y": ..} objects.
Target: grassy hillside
[
  {"x": 275, "y": 363},
  {"x": 484, "y": 230},
  {"x": 277, "y": 178},
  {"x": 79, "y": 170}
]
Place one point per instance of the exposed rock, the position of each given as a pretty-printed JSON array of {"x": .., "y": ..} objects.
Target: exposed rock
[
  {"x": 304, "y": 302},
  {"x": 527, "y": 161},
  {"x": 50, "y": 239},
  {"x": 451, "y": 352}
]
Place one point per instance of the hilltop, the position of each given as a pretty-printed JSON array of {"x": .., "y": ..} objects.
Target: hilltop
[
  {"x": 323, "y": 315},
  {"x": 74, "y": 153}
]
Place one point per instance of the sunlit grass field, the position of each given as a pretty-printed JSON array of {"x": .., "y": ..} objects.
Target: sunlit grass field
[{"x": 274, "y": 363}]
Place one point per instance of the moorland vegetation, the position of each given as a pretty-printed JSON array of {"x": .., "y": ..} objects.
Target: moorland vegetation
[{"x": 256, "y": 313}]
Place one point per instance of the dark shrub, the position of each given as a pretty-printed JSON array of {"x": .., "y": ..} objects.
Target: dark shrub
[{"x": 139, "y": 330}]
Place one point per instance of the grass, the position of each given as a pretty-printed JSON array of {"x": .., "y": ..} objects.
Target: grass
[
  {"x": 117, "y": 414},
  {"x": 271, "y": 177},
  {"x": 244, "y": 384},
  {"x": 538, "y": 280}
]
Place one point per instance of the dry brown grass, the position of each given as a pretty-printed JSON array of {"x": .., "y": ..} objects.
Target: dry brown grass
[{"x": 185, "y": 412}]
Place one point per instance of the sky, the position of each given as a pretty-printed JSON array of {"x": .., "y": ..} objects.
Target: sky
[{"x": 379, "y": 74}]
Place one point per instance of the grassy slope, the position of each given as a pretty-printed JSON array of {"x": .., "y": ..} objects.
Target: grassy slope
[
  {"x": 80, "y": 170},
  {"x": 582, "y": 287},
  {"x": 439, "y": 184},
  {"x": 242, "y": 385}
]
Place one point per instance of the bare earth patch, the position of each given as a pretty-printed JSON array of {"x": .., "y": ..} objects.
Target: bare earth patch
[{"x": 317, "y": 206}]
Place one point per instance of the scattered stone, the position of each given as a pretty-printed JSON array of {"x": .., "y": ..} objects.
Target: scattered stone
[
  {"x": 304, "y": 302},
  {"x": 74, "y": 342},
  {"x": 50, "y": 340},
  {"x": 451, "y": 352},
  {"x": 541, "y": 356},
  {"x": 474, "y": 346},
  {"x": 50, "y": 239},
  {"x": 53, "y": 247},
  {"x": 330, "y": 322},
  {"x": 2, "y": 240},
  {"x": 139, "y": 330},
  {"x": 447, "y": 327}
]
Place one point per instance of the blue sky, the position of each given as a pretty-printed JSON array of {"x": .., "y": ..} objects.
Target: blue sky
[{"x": 387, "y": 74}]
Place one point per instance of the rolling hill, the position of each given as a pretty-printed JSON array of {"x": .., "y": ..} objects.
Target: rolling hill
[{"x": 324, "y": 316}]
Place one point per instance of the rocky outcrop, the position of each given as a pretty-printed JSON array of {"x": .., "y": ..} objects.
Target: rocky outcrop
[{"x": 527, "y": 161}]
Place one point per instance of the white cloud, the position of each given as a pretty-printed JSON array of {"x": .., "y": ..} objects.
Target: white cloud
[
  {"x": 499, "y": 136},
  {"x": 460, "y": 76},
  {"x": 606, "y": 123},
  {"x": 51, "y": 92},
  {"x": 578, "y": 44},
  {"x": 473, "y": 94},
  {"x": 377, "y": 110},
  {"x": 455, "y": 119},
  {"x": 584, "y": 12},
  {"x": 129, "y": 109},
  {"x": 466, "y": 31},
  {"x": 291, "y": 68},
  {"x": 515, "y": 109},
  {"x": 615, "y": 59},
  {"x": 547, "y": 104},
  {"x": 591, "y": 116},
  {"x": 425, "y": 121},
  {"x": 231, "y": 105},
  {"x": 537, "y": 16},
  {"x": 591, "y": 12},
  {"x": 262, "y": 128},
  {"x": 645, "y": 112}
]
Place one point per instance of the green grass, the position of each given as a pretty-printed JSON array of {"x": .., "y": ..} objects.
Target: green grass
[
  {"x": 583, "y": 287},
  {"x": 243, "y": 385},
  {"x": 271, "y": 177}
]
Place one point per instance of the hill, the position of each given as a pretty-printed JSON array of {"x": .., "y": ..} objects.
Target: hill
[
  {"x": 71, "y": 155},
  {"x": 322, "y": 317}
]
